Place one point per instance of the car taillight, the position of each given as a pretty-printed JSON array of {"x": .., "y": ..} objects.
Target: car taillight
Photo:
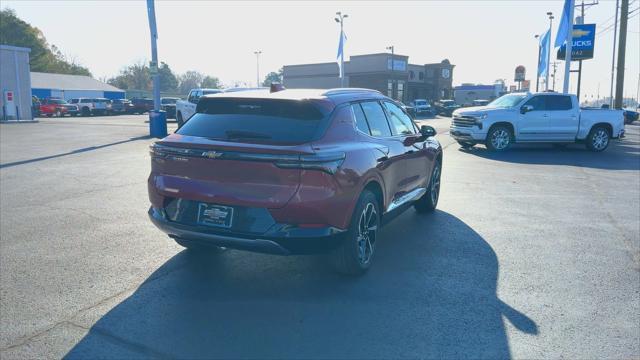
[{"x": 327, "y": 162}]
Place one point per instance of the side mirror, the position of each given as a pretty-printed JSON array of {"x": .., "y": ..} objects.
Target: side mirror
[
  {"x": 427, "y": 131},
  {"x": 525, "y": 109},
  {"x": 194, "y": 100}
]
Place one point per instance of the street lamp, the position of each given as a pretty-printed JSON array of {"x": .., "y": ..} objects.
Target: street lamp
[
  {"x": 340, "y": 20},
  {"x": 258, "y": 52},
  {"x": 393, "y": 81},
  {"x": 550, "y": 15},
  {"x": 538, "y": 72}
]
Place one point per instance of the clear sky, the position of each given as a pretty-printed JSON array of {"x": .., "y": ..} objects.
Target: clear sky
[{"x": 486, "y": 40}]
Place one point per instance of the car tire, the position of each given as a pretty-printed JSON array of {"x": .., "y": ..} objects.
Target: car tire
[
  {"x": 354, "y": 255},
  {"x": 466, "y": 144},
  {"x": 598, "y": 139},
  {"x": 58, "y": 113},
  {"x": 428, "y": 202},
  {"x": 85, "y": 111},
  {"x": 179, "y": 119},
  {"x": 198, "y": 247},
  {"x": 499, "y": 138}
]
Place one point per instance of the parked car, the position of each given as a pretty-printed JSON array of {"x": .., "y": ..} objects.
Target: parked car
[
  {"x": 186, "y": 108},
  {"x": 108, "y": 109},
  {"x": 120, "y": 106},
  {"x": 538, "y": 117},
  {"x": 57, "y": 107},
  {"x": 630, "y": 116},
  {"x": 421, "y": 107},
  {"x": 90, "y": 106},
  {"x": 293, "y": 172},
  {"x": 445, "y": 107},
  {"x": 480, "y": 102},
  {"x": 141, "y": 105},
  {"x": 168, "y": 104}
]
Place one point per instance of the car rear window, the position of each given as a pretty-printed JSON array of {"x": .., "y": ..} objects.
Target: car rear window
[{"x": 272, "y": 121}]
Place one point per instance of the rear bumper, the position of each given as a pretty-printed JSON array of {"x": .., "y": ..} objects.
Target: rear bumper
[{"x": 280, "y": 239}]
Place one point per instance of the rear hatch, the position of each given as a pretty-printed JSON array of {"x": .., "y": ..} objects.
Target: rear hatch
[{"x": 239, "y": 151}]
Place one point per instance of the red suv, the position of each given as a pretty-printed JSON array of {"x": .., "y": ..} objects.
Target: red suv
[{"x": 293, "y": 172}]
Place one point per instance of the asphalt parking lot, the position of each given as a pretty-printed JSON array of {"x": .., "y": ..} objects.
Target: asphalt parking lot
[{"x": 533, "y": 253}]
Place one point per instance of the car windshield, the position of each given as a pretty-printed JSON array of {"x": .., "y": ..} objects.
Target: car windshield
[
  {"x": 169, "y": 101},
  {"x": 255, "y": 121},
  {"x": 507, "y": 101},
  {"x": 447, "y": 102},
  {"x": 56, "y": 101},
  {"x": 421, "y": 102}
]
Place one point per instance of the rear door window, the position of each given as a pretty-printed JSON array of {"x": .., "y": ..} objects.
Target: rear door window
[
  {"x": 376, "y": 118},
  {"x": 558, "y": 102},
  {"x": 271, "y": 121}
]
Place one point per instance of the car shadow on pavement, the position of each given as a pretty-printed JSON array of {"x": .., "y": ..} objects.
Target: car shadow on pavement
[
  {"x": 430, "y": 294},
  {"x": 620, "y": 155},
  {"x": 77, "y": 151}
]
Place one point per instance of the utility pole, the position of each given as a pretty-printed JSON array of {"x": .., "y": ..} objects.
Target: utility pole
[
  {"x": 550, "y": 15},
  {"x": 580, "y": 61},
  {"x": 622, "y": 45},
  {"x": 258, "y": 52},
  {"x": 569, "y": 46},
  {"x": 613, "y": 60}
]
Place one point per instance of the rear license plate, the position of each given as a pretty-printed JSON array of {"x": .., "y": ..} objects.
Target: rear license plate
[{"x": 215, "y": 215}]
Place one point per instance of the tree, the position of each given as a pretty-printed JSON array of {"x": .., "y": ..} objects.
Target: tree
[
  {"x": 273, "y": 77},
  {"x": 168, "y": 80},
  {"x": 133, "y": 77},
  {"x": 189, "y": 80},
  {"x": 43, "y": 58},
  {"x": 210, "y": 82}
]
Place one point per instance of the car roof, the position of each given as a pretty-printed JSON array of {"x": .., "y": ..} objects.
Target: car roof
[{"x": 337, "y": 95}]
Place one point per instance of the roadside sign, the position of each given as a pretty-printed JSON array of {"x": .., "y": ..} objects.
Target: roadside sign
[
  {"x": 583, "y": 42},
  {"x": 520, "y": 73}
]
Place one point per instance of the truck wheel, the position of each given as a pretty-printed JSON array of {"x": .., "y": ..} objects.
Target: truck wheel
[
  {"x": 85, "y": 111},
  {"x": 466, "y": 144},
  {"x": 598, "y": 139},
  {"x": 58, "y": 113},
  {"x": 429, "y": 201},
  {"x": 197, "y": 247},
  {"x": 354, "y": 255},
  {"x": 499, "y": 138},
  {"x": 179, "y": 119}
]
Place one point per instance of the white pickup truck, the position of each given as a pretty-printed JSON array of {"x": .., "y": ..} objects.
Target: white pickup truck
[
  {"x": 546, "y": 117},
  {"x": 186, "y": 108}
]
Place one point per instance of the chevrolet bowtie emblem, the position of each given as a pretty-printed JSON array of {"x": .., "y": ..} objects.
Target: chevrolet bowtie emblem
[{"x": 212, "y": 154}]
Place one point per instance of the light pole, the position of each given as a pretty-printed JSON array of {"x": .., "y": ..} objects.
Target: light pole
[
  {"x": 340, "y": 20},
  {"x": 393, "y": 80},
  {"x": 538, "y": 72},
  {"x": 258, "y": 52},
  {"x": 546, "y": 81}
]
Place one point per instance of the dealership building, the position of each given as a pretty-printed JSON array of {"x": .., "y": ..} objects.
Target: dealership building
[
  {"x": 392, "y": 75},
  {"x": 63, "y": 86}
]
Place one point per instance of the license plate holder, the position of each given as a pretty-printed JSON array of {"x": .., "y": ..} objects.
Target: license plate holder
[{"x": 215, "y": 215}]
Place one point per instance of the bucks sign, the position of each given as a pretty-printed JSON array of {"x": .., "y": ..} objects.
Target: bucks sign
[{"x": 583, "y": 41}]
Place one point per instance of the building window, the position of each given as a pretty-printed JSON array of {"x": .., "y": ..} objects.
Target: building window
[
  {"x": 421, "y": 75},
  {"x": 412, "y": 75},
  {"x": 390, "y": 88},
  {"x": 400, "y": 91}
]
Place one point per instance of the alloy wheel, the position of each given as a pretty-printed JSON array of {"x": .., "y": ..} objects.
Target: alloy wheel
[
  {"x": 500, "y": 139},
  {"x": 600, "y": 139},
  {"x": 435, "y": 184},
  {"x": 367, "y": 229}
]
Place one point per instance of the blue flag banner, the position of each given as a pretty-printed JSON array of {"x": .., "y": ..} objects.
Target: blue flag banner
[
  {"x": 545, "y": 45},
  {"x": 565, "y": 24}
]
